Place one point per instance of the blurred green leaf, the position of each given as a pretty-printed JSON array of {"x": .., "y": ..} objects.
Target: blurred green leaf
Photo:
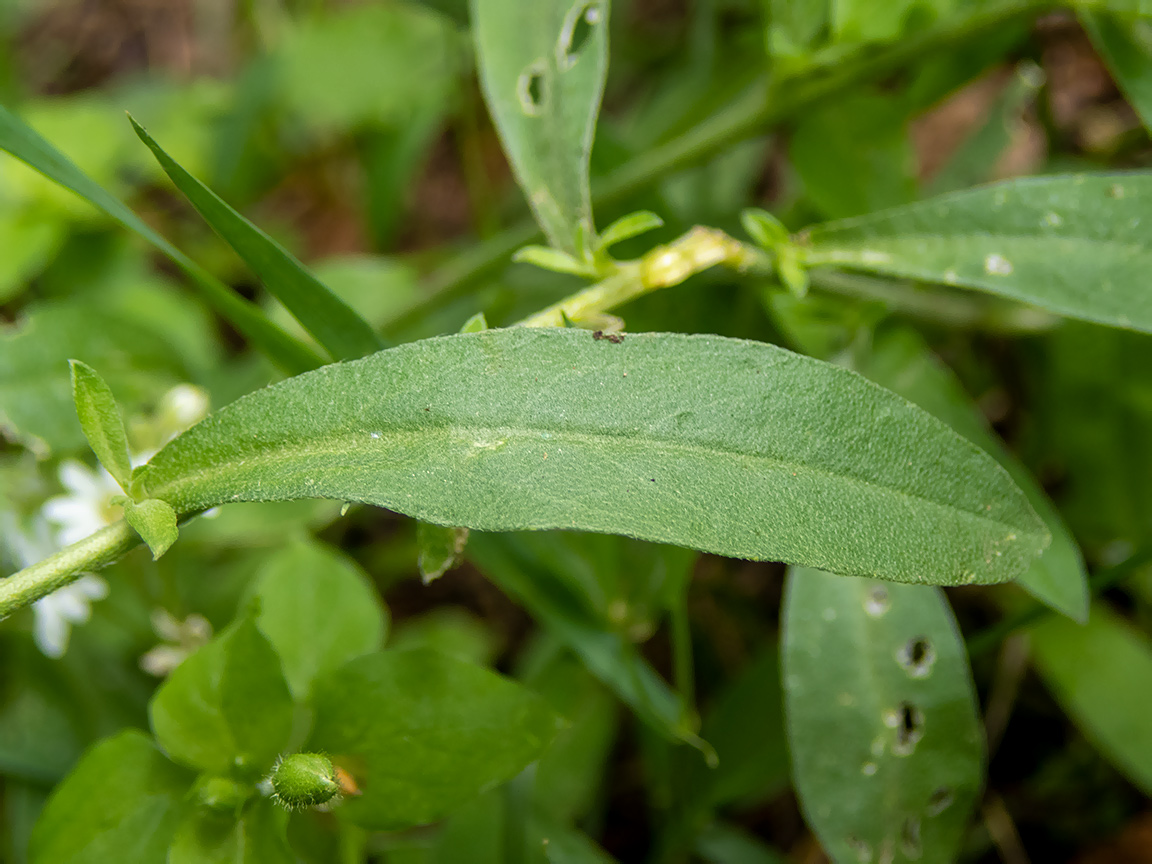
[
  {"x": 319, "y": 610},
  {"x": 25, "y": 144},
  {"x": 1101, "y": 674},
  {"x": 720, "y": 843},
  {"x": 746, "y": 726},
  {"x": 456, "y": 430},
  {"x": 855, "y": 156},
  {"x": 31, "y": 238},
  {"x": 101, "y": 421},
  {"x": 155, "y": 522},
  {"x": 342, "y": 333},
  {"x": 423, "y": 733},
  {"x": 226, "y": 707},
  {"x": 902, "y": 362},
  {"x": 368, "y": 65},
  {"x": 449, "y": 630},
  {"x": 1072, "y": 244},
  {"x": 36, "y": 404},
  {"x": 542, "y": 67},
  {"x": 886, "y": 742},
  {"x": 256, "y": 837},
  {"x": 609, "y": 655},
  {"x": 1125, "y": 44},
  {"x": 122, "y": 802},
  {"x": 440, "y": 548}
]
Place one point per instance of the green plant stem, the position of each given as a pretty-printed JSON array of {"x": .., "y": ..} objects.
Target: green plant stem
[
  {"x": 953, "y": 307},
  {"x": 30, "y": 584},
  {"x": 990, "y": 637},
  {"x": 683, "y": 670},
  {"x": 763, "y": 104},
  {"x": 663, "y": 267}
]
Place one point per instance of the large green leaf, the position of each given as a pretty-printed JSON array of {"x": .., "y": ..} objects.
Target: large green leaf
[
  {"x": 733, "y": 447},
  {"x": 121, "y": 802},
  {"x": 1101, "y": 673},
  {"x": 887, "y": 750},
  {"x": 542, "y": 67},
  {"x": 423, "y": 733},
  {"x": 900, "y": 361},
  {"x": 25, "y": 144},
  {"x": 342, "y": 333},
  {"x": 256, "y": 837},
  {"x": 1073, "y": 244},
  {"x": 227, "y": 707}
]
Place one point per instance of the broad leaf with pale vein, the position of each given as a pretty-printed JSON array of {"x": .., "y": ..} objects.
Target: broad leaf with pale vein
[
  {"x": 1074, "y": 244},
  {"x": 733, "y": 447}
]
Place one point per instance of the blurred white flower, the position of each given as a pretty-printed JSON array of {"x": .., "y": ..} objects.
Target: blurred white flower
[
  {"x": 182, "y": 406},
  {"x": 87, "y": 508},
  {"x": 56, "y": 613},
  {"x": 180, "y": 638}
]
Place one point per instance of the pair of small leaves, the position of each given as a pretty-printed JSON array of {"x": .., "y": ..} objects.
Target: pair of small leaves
[
  {"x": 771, "y": 235},
  {"x": 593, "y": 262},
  {"x": 153, "y": 519},
  {"x": 418, "y": 732}
]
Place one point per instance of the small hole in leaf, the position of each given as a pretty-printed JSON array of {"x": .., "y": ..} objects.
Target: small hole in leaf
[
  {"x": 917, "y": 656},
  {"x": 877, "y": 602},
  {"x": 909, "y": 728},
  {"x": 532, "y": 89},
  {"x": 860, "y": 848},
  {"x": 574, "y": 35},
  {"x": 939, "y": 801},
  {"x": 910, "y": 838}
]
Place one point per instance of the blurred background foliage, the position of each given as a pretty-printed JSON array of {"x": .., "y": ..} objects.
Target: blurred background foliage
[{"x": 354, "y": 133}]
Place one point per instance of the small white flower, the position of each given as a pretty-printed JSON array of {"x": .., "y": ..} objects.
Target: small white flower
[
  {"x": 56, "y": 613},
  {"x": 180, "y": 638},
  {"x": 182, "y": 406},
  {"x": 87, "y": 508}
]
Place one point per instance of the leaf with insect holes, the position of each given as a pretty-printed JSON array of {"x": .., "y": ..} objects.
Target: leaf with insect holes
[
  {"x": 887, "y": 748},
  {"x": 101, "y": 421},
  {"x": 1072, "y": 244},
  {"x": 542, "y": 68},
  {"x": 25, "y": 144},
  {"x": 734, "y": 447}
]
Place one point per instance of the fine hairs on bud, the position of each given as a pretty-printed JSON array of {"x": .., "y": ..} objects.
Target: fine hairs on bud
[{"x": 304, "y": 780}]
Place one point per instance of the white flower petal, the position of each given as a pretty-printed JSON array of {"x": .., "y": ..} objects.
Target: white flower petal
[
  {"x": 78, "y": 479},
  {"x": 50, "y": 629}
]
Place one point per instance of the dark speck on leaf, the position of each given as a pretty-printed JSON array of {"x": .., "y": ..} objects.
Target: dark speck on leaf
[{"x": 614, "y": 338}]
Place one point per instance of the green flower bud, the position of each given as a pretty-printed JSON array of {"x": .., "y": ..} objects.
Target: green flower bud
[{"x": 304, "y": 780}]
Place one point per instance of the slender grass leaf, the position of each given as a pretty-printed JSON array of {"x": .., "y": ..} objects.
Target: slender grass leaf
[
  {"x": 25, "y": 144},
  {"x": 608, "y": 655},
  {"x": 902, "y": 362},
  {"x": 101, "y": 421},
  {"x": 542, "y": 67},
  {"x": 319, "y": 610},
  {"x": 227, "y": 707},
  {"x": 1072, "y": 244},
  {"x": 122, "y": 802},
  {"x": 727, "y": 446},
  {"x": 1125, "y": 44},
  {"x": 1101, "y": 674},
  {"x": 887, "y": 749},
  {"x": 422, "y": 733},
  {"x": 342, "y": 333}
]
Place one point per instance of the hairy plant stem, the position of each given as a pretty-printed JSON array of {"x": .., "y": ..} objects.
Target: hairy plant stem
[
  {"x": 663, "y": 267},
  {"x": 766, "y": 103},
  {"x": 30, "y": 584}
]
